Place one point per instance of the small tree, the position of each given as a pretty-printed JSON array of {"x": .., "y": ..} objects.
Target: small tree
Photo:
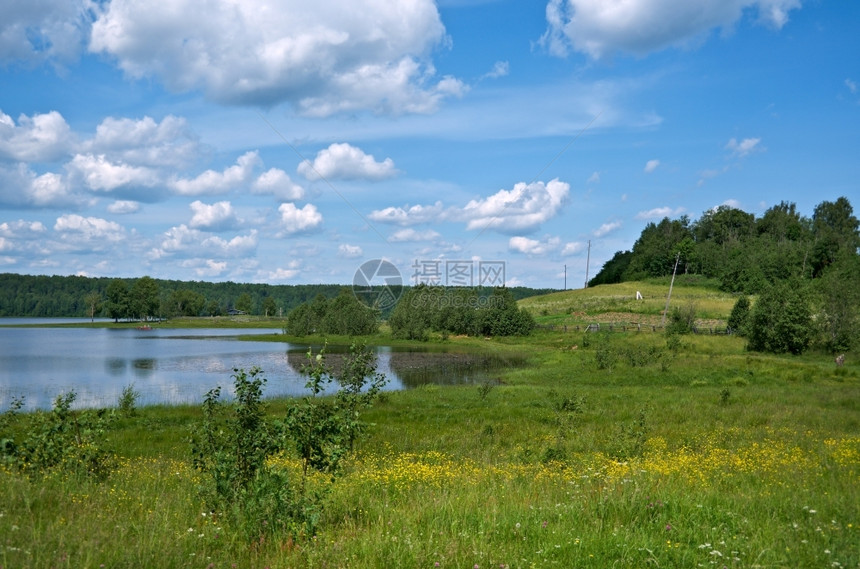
[
  {"x": 781, "y": 321},
  {"x": 739, "y": 317},
  {"x": 93, "y": 301}
]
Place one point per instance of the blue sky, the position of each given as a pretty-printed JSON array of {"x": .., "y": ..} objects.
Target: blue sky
[{"x": 290, "y": 142}]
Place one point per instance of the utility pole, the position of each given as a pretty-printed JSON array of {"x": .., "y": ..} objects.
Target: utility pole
[
  {"x": 587, "y": 262},
  {"x": 671, "y": 284}
]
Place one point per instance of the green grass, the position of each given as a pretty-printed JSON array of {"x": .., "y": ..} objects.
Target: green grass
[{"x": 701, "y": 456}]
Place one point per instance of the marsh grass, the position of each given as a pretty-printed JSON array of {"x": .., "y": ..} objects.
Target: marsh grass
[{"x": 562, "y": 464}]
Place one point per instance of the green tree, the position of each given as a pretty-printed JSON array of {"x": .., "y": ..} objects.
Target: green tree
[
  {"x": 270, "y": 306},
  {"x": 839, "y": 295},
  {"x": 836, "y": 233},
  {"x": 781, "y": 321},
  {"x": 244, "y": 303},
  {"x": 186, "y": 302},
  {"x": 501, "y": 316},
  {"x": 144, "y": 301},
  {"x": 739, "y": 317},
  {"x": 118, "y": 300}
]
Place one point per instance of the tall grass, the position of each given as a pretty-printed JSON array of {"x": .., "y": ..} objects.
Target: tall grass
[{"x": 701, "y": 455}]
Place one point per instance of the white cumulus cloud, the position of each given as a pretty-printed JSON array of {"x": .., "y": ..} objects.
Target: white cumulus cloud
[
  {"x": 213, "y": 217},
  {"x": 123, "y": 207},
  {"x": 607, "y": 228},
  {"x": 522, "y": 208},
  {"x": 145, "y": 142},
  {"x": 533, "y": 246},
  {"x": 101, "y": 175},
  {"x": 187, "y": 242},
  {"x": 347, "y": 251},
  {"x": 278, "y": 183},
  {"x": 41, "y": 138},
  {"x": 651, "y": 165},
  {"x": 601, "y": 28},
  {"x": 36, "y": 31},
  {"x": 212, "y": 182},
  {"x": 295, "y": 220},
  {"x": 344, "y": 161},
  {"x": 87, "y": 233},
  {"x": 322, "y": 57},
  {"x": 660, "y": 213}
]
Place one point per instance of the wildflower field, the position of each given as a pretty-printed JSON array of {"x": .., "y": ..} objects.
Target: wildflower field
[{"x": 656, "y": 454}]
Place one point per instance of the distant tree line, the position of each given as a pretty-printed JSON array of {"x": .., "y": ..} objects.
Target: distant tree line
[
  {"x": 147, "y": 297},
  {"x": 74, "y": 296},
  {"x": 805, "y": 272}
]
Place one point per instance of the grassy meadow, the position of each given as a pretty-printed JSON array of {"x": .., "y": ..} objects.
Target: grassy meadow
[{"x": 622, "y": 449}]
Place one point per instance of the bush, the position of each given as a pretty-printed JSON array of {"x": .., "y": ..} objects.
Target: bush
[
  {"x": 780, "y": 322},
  {"x": 235, "y": 444},
  {"x": 739, "y": 317}
]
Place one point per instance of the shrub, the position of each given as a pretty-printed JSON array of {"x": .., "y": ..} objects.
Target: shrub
[
  {"x": 780, "y": 322},
  {"x": 739, "y": 317}
]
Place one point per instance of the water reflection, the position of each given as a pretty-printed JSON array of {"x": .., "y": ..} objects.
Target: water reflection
[
  {"x": 411, "y": 368},
  {"x": 420, "y": 368},
  {"x": 176, "y": 367},
  {"x": 116, "y": 366}
]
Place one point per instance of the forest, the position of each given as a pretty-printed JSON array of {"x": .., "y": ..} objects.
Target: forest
[{"x": 744, "y": 253}]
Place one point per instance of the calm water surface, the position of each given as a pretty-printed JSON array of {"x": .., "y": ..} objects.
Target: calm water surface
[{"x": 179, "y": 366}]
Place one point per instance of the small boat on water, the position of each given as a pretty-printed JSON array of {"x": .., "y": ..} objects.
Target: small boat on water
[{"x": 145, "y": 327}]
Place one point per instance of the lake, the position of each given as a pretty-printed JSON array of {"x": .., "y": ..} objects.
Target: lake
[{"x": 177, "y": 366}]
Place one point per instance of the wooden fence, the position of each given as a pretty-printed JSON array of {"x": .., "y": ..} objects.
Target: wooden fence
[{"x": 632, "y": 327}]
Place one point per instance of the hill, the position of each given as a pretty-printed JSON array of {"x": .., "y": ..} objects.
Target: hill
[{"x": 618, "y": 303}]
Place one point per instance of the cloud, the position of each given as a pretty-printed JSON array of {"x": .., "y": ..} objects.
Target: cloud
[
  {"x": 41, "y": 138},
  {"x": 744, "y": 147},
  {"x": 343, "y": 161},
  {"x": 295, "y": 220},
  {"x": 123, "y": 207},
  {"x": 500, "y": 69},
  {"x": 322, "y": 57},
  {"x": 411, "y": 235},
  {"x": 87, "y": 233},
  {"x": 278, "y": 183},
  {"x": 205, "y": 268},
  {"x": 594, "y": 178},
  {"x": 214, "y": 217},
  {"x": 522, "y": 208},
  {"x": 349, "y": 251},
  {"x": 40, "y": 31},
  {"x": 573, "y": 248},
  {"x": 601, "y": 29},
  {"x": 660, "y": 213},
  {"x": 413, "y": 215},
  {"x": 852, "y": 86},
  {"x": 606, "y": 228},
  {"x": 145, "y": 142},
  {"x": 186, "y": 242},
  {"x": 651, "y": 165},
  {"x": 21, "y": 187},
  {"x": 22, "y": 229},
  {"x": 212, "y": 182},
  {"x": 101, "y": 175},
  {"x": 533, "y": 246}
]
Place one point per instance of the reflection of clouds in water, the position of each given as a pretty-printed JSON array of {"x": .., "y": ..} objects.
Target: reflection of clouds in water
[{"x": 99, "y": 363}]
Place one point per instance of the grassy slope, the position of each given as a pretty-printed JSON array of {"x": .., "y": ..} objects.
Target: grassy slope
[{"x": 606, "y": 450}]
